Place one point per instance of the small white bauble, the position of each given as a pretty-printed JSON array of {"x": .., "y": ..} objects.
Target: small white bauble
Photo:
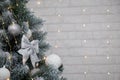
[
  {"x": 4, "y": 73},
  {"x": 53, "y": 60},
  {"x": 14, "y": 29}
]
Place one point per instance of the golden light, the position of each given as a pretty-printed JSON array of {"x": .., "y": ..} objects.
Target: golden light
[
  {"x": 38, "y": 2},
  {"x": 8, "y": 79}
]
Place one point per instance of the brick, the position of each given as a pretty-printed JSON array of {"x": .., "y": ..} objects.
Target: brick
[
  {"x": 106, "y": 35},
  {"x": 77, "y": 19},
  {"x": 105, "y": 18},
  {"x": 90, "y": 2}
]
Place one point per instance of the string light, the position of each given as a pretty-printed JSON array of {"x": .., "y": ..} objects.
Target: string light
[
  {"x": 84, "y": 25},
  {"x": 38, "y": 2},
  {"x": 56, "y": 46},
  {"x": 108, "y": 42},
  {"x": 85, "y": 73},
  {"x": 5, "y": 35},
  {"x": 108, "y": 73},
  {"x": 85, "y": 41},
  {"x": 108, "y": 26},
  {"x": 59, "y": 15},
  {"x": 85, "y": 57},
  {"x": 8, "y": 79},
  {"x": 108, "y": 10},
  {"x": 58, "y": 30},
  {"x": 108, "y": 57},
  {"x": 37, "y": 64},
  {"x": 17, "y": 5},
  {"x": 10, "y": 56},
  {"x": 44, "y": 58},
  {"x": 84, "y": 10}
]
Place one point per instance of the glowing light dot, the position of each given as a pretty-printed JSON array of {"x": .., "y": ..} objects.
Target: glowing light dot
[
  {"x": 85, "y": 72},
  {"x": 3, "y": 23},
  {"x": 108, "y": 57},
  {"x": 37, "y": 64},
  {"x": 85, "y": 57},
  {"x": 56, "y": 46},
  {"x": 84, "y": 10},
  {"x": 108, "y": 26},
  {"x": 16, "y": 4},
  {"x": 38, "y": 2},
  {"x": 108, "y": 42},
  {"x": 44, "y": 58},
  {"x": 108, "y": 10},
  {"x": 85, "y": 41},
  {"x": 108, "y": 73},
  {"x": 8, "y": 79},
  {"x": 59, "y": 30},
  {"x": 84, "y": 25},
  {"x": 59, "y": 15},
  {"x": 10, "y": 57}
]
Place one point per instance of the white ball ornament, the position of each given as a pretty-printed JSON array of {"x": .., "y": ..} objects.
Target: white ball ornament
[
  {"x": 14, "y": 29},
  {"x": 53, "y": 60},
  {"x": 4, "y": 73}
]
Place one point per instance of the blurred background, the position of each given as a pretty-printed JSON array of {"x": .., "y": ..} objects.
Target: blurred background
[{"x": 86, "y": 35}]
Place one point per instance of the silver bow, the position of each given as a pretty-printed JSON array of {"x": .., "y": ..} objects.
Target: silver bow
[{"x": 29, "y": 49}]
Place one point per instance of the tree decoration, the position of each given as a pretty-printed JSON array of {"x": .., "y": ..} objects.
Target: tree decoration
[
  {"x": 4, "y": 73},
  {"x": 53, "y": 60},
  {"x": 29, "y": 49},
  {"x": 14, "y": 29}
]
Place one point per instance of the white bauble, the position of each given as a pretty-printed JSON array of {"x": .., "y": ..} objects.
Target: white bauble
[
  {"x": 14, "y": 29},
  {"x": 53, "y": 60},
  {"x": 4, "y": 73}
]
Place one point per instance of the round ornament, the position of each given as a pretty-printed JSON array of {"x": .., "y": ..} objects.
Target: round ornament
[
  {"x": 14, "y": 29},
  {"x": 54, "y": 61},
  {"x": 4, "y": 73}
]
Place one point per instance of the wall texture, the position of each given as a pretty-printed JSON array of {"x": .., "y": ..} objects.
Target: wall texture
[{"x": 85, "y": 33}]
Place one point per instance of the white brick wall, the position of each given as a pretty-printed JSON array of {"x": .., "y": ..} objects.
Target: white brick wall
[{"x": 86, "y": 34}]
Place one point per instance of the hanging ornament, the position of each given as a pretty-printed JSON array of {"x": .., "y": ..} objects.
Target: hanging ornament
[
  {"x": 4, "y": 73},
  {"x": 29, "y": 49},
  {"x": 53, "y": 60},
  {"x": 14, "y": 29}
]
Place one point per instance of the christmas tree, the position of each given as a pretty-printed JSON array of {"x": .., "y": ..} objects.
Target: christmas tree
[{"x": 23, "y": 46}]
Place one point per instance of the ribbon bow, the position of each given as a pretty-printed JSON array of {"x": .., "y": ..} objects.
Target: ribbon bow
[{"x": 29, "y": 49}]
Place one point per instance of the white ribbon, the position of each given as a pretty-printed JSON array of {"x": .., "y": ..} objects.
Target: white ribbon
[{"x": 29, "y": 49}]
